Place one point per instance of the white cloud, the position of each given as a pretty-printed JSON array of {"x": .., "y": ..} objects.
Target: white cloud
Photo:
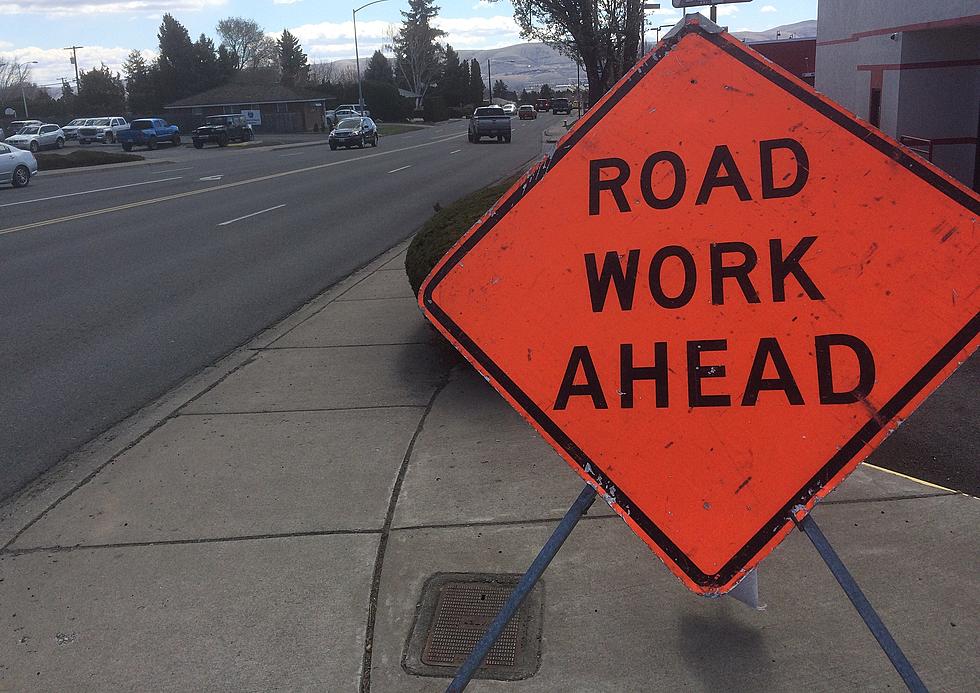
[
  {"x": 285, "y": 2},
  {"x": 727, "y": 10},
  {"x": 62, "y": 8},
  {"x": 768, "y": 8},
  {"x": 336, "y": 39},
  {"x": 54, "y": 63},
  {"x": 482, "y": 5}
]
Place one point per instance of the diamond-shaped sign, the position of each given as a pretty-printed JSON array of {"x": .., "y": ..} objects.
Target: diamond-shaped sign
[{"x": 716, "y": 298}]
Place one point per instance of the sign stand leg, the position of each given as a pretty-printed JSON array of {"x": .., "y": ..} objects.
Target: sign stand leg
[
  {"x": 524, "y": 587},
  {"x": 898, "y": 659}
]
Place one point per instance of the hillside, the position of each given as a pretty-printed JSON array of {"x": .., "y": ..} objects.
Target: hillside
[{"x": 529, "y": 65}]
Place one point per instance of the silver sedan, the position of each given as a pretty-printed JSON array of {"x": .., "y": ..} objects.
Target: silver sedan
[{"x": 16, "y": 166}]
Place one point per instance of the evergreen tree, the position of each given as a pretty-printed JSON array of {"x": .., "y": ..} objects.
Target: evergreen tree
[
  {"x": 453, "y": 84},
  {"x": 418, "y": 56},
  {"x": 293, "y": 65},
  {"x": 140, "y": 84},
  {"x": 546, "y": 92},
  {"x": 176, "y": 62},
  {"x": 226, "y": 63},
  {"x": 500, "y": 89},
  {"x": 476, "y": 89},
  {"x": 207, "y": 71},
  {"x": 464, "y": 83},
  {"x": 100, "y": 91},
  {"x": 379, "y": 69},
  {"x": 524, "y": 97}
]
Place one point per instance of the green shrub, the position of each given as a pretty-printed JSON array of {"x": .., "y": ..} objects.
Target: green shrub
[
  {"x": 385, "y": 103},
  {"x": 434, "y": 109},
  {"x": 446, "y": 227}
]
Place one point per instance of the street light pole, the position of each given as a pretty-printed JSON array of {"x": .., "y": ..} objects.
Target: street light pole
[
  {"x": 357, "y": 56},
  {"x": 23, "y": 94},
  {"x": 489, "y": 84}
]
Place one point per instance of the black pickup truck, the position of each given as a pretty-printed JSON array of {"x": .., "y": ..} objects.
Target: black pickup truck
[
  {"x": 489, "y": 121},
  {"x": 222, "y": 129}
]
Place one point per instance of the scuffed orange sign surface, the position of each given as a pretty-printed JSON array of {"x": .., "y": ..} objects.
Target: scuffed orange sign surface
[{"x": 717, "y": 297}]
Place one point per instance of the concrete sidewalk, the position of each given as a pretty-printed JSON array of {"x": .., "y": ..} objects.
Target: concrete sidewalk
[{"x": 271, "y": 525}]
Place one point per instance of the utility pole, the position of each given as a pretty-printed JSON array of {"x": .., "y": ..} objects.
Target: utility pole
[
  {"x": 74, "y": 61},
  {"x": 489, "y": 83}
]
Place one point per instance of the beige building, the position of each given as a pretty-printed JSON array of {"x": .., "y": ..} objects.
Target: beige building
[{"x": 910, "y": 67}]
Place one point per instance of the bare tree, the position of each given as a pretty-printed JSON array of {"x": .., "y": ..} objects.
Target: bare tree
[
  {"x": 245, "y": 40},
  {"x": 602, "y": 35},
  {"x": 14, "y": 76}
]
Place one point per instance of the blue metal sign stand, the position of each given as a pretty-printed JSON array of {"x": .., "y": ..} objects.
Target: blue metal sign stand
[
  {"x": 524, "y": 587},
  {"x": 807, "y": 525},
  {"x": 871, "y": 619}
]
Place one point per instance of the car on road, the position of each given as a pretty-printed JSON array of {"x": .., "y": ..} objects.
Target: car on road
[
  {"x": 561, "y": 106},
  {"x": 37, "y": 137},
  {"x": 149, "y": 133},
  {"x": 527, "y": 112},
  {"x": 103, "y": 130},
  {"x": 222, "y": 129},
  {"x": 16, "y": 166},
  {"x": 542, "y": 105},
  {"x": 354, "y": 132},
  {"x": 510, "y": 109},
  {"x": 71, "y": 130},
  {"x": 489, "y": 121}
]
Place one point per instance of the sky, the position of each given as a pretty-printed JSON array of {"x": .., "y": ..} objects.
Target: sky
[{"x": 40, "y": 29}]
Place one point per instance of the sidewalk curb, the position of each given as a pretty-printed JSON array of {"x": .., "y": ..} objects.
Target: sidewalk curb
[{"x": 27, "y": 506}]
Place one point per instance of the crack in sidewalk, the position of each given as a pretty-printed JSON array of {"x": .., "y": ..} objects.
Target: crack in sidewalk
[
  {"x": 182, "y": 542},
  {"x": 365, "y": 686}
]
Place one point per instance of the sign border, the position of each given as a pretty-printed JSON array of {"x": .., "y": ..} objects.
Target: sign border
[{"x": 851, "y": 448}]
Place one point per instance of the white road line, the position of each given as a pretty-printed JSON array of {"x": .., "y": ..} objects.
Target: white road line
[
  {"x": 400, "y": 169},
  {"x": 253, "y": 214},
  {"x": 293, "y": 154},
  {"x": 215, "y": 188},
  {"x": 456, "y": 151},
  {"x": 88, "y": 192},
  {"x": 173, "y": 170}
]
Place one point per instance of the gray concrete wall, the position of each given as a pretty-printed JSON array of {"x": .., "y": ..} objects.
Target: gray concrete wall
[{"x": 930, "y": 103}]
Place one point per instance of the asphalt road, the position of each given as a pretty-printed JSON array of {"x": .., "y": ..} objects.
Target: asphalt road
[{"x": 117, "y": 285}]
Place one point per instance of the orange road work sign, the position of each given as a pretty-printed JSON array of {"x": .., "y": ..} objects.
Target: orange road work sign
[{"x": 716, "y": 298}]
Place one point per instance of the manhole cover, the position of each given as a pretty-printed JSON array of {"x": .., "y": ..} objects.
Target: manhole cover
[{"x": 455, "y": 611}]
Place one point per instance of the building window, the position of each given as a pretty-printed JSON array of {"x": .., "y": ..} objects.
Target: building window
[
  {"x": 282, "y": 108},
  {"x": 874, "y": 107}
]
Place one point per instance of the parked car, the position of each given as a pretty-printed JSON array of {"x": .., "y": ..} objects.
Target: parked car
[
  {"x": 489, "y": 121},
  {"x": 510, "y": 109},
  {"x": 345, "y": 110},
  {"x": 102, "y": 130},
  {"x": 37, "y": 137},
  {"x": 71, "y": 130},
  {"x": 222, "y": 129},
  {"x": 149, "y": 133},
  {"x": 352, "y": 132},
  {"x": 560, "y": 106},
  {"x": 542, "y": 105},
  {"x": 527, "y": 112},
  {"x": 18, "y": 125},
  {"x": 16, "y": 166}
]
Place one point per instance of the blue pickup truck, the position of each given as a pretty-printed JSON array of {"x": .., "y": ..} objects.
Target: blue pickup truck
[{"x": 149, "y": 133}]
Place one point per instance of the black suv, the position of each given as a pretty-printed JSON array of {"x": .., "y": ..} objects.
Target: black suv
[
  {"x": 354, "y": 132},
  {"x": 222, "y": 129},
  {"x": 560, "y": 106}
]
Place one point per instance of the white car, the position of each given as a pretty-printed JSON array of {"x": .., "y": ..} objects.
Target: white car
[
  {"x": 37, "y": 137},
  {"x": 16, "y": 166},
  {"x": 510, "y": 108},
  {"x": 71, "y": 130},
  {"x": 102, "y": 130}
]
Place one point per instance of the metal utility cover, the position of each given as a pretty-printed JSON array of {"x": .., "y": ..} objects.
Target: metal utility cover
[
  {"x": 455, "y": 611},
  {"x": 718, "y": 296}
]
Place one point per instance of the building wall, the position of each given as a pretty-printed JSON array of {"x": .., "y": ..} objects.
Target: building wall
[
  {"x": 797, "y": 56},
  {"x": 276, "y": 117},
  {"x": 924, "y": 60}
]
